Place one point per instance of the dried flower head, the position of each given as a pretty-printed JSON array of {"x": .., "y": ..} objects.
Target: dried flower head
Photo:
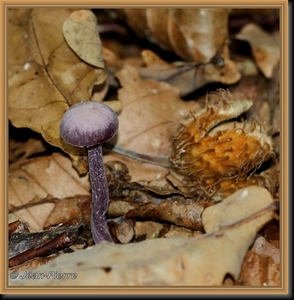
[{"x": 213, "y": 157}]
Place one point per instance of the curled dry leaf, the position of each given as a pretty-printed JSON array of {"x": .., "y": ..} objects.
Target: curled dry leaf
[
  {"x": 265, "y": 47},
  {"x": 121, "y": 229},
  {"x": 203, "y": 260},
  {"x": 193, "y": 34},
  {"x": 45, "y": 76}
]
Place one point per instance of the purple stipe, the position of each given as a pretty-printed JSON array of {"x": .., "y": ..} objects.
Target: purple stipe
[{"x": 100, "y": 195}]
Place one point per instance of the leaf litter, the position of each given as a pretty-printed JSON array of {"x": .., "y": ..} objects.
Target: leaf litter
[{"x": 176, "y": 261}]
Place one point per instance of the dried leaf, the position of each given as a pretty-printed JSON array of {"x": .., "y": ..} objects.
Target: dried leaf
[
  {"x": 45, "y": 76},
  {"x": 149, "y": 109},
  {"x": 265, "y": 48},
  {"x": 20, "y": 151},
  {"x": 239, "y": 205},
  {"x": 261, "y": 266},
  {"x": 38, "y": 178},
  {"x": 68, "y": 209},
  {"x": 194, "y": 34},
  {"x": 189, "y": 77},
  {"x": 81, "y": 33},
  {"x": 203, "y": 260},
  {"x": 147, "y": 230},
  {"x": 177, "y": 231}
]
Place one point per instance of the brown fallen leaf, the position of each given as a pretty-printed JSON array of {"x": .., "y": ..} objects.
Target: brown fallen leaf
[
  {"x": 178, "y": 231},
  {"x": 188, "y": 77},
  {"x": 17, "y": 227},
  {"x": 203, "y": 260},
  {"x": 261, "y": 266},
  {"x": 38, "y": 178},
  {"x": 194, "y": 34},
  {"x": 235, "y": 207},
  {"x": 68, "y": 209},
  {"x": 81, "y": 33},
  {"x": 20, "y": 151},
  {"x": 149, "y": 108},
  {"x": 45, "y": 76},
  {"x": 148, "y": 230},
  {"x": 265, "y": 48}
]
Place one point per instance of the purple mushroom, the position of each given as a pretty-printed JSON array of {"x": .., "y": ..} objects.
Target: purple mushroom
[{"x": 89, "y": 124}]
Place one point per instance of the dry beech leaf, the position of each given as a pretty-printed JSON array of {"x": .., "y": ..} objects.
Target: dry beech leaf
[
  {"x": 148, "y": 229},
  {"x": 69, "y": 208},
  {"x": 21, "y": 151},
  {"x": 261, "y": 266},
  {"x": 38, "y": 178},
  {"x": 265, "y": 48},
  {"x": 193, "y": 34},
  {"x": 149, "y": 108},
  {"x": 239, "y": 205},
  {"x": 45, "y": 76},
  {"x": 203, "y": 260},
  {"x": 81, "y": 33},
  {"x": 188, "y": 77}
]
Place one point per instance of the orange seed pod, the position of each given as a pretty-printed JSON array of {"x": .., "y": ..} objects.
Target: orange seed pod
[{"x": 215, "y": 160}]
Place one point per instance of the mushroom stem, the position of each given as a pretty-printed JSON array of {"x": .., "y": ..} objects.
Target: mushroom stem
[{"x": 100, "y": 195}]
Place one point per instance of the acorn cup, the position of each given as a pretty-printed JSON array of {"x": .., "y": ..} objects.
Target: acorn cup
[{"x": 214, "y": 158}]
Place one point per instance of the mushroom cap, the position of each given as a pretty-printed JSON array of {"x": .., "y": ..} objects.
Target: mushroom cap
[{"x": 88, "y": 123}]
